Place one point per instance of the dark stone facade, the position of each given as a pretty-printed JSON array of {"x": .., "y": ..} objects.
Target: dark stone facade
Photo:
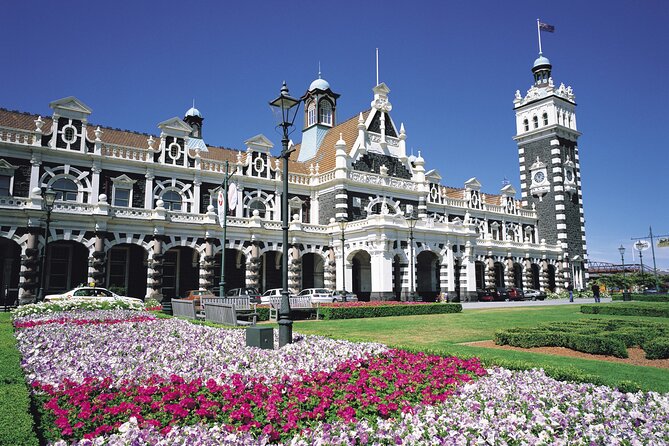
[
  {"x": 107, "y": 186},
  {"x": 326, "y": 207},
  {"x": 21, "y": 176}
]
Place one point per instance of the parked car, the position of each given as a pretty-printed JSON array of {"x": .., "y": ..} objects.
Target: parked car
[
  {"x": 534, "y": 294},
  {"x": 91, "y": 293},
  {"x": 274, "y": 292},
  {"x": 515, "y": 293},
  {"x": 487, "y": 294},
  {"x": 503, "y": 293},
  {"x": 251, "y": 293},
  {"x": 318, "y": 295},
  {"x": 343, "y": 296}
]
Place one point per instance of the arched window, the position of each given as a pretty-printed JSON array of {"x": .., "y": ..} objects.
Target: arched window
[
  {"x": 545, "y": 118},
  {"x": 526, "y": 124},
  {"x": 535, "y": 121},
  {"x": 311, "y": 114},
  {"x": 172, "y": 200},
  {"x": 259, "y": 206},
  {"x": 66, "y": 189},
  {"x": 325, "y": 112}
]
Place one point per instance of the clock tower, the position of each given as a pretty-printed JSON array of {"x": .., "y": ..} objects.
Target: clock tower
[{"x": 550, "y": 173}]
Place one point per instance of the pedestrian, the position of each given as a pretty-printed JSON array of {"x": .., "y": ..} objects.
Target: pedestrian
[
  {"x": 595, "y": 292},
  {"x": 570, "y": 288}
]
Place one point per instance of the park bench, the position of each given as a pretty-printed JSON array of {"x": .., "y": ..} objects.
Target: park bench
[
  {"x": 184, "y": 308},
  {"x": 243, "y": 307},
  {"x": 222, "y": 313},
  {"x": 296, "y": 303}
]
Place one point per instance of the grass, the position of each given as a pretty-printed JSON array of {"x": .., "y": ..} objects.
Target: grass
[{"x": 443, "y": 333}]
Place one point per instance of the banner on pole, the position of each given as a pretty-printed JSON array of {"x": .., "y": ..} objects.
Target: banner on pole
[
  {"x": 663, "y": 242},
  {"x": 221, "y": 207}
]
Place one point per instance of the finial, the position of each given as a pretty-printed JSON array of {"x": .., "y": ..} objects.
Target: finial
[
  {"x": 193, "y": 102},
  {"x": 402, "y": 128},
  {"x": 319, "y": 69}
]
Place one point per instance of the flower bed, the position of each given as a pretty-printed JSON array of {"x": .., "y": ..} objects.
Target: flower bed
[{"x": 75, "y": 304}]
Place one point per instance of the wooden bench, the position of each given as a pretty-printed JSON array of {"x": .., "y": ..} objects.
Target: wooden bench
[
  {"x": 222, "y": 313},
  {"x": 183, "y": 308},
  {"x": 296, "y": 303}
]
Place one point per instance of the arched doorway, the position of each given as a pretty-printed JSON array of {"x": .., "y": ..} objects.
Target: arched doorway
[
  {"x": 313, "y": 271},
  {"x": 10, "y": 266},
  {"x": 551, "y": 278},
  {"x": 535, "y": 276},
  {"x": 479, "y": 267},
  {"x": 270, "y": 271},
  {"x": 126, "y": 270},
  {"x": 427, "y": 275},
  {"x": 362, "y": 275},
  {"x": 518, "y": 275},
  {"x": 499, "y": 274},
  {"x": 397, "y": 277},
  {"x": 180, "y": 271},
  {"x": 67, "y": 266},
  {"x": 235, "y": 270}
]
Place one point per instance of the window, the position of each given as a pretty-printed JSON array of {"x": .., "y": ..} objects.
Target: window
[
  {"x": 121, "y": 196},
  {"x": 257, "y": 205},
  {"x": 535, "y": 121},
  {"x": 5, "y": 181},
  {"x": 174, "y": 150},
  {"x": 325, "y": 113},
  {"x": 545, "y": 118},
  {"x": 311, "y": 114},
  {"x": 526, "y": 124},
  {"x": 66, "y": 189},
  {"x": 69, "y": 135},
  {"x": 172, "y": 200}
]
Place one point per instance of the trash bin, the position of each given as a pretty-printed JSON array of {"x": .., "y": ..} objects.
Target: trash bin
[
  {"x": 261, "y": 337},
  {"x": 626, "y": 296}
]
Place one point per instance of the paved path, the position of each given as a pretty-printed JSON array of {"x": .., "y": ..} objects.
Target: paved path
[{"x": 530, "y": 303}]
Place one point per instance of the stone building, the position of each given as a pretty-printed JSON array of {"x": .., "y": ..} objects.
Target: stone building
[{"x": 139, "y": 212}]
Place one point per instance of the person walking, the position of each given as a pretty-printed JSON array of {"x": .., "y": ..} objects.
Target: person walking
[
  {"x": 595, "y": 292},
  {"x": 570, "y": 288}
]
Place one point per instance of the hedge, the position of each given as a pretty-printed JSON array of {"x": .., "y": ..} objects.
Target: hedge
[
  {"x": 654, "y": 309},
  {"x": 644, "y": 297},
  {"x": 599, "y": 337},
  {"x": 345, "y": 312},
  {"x": 16, "y": 421},
  {"x": 657, "y": 348}
]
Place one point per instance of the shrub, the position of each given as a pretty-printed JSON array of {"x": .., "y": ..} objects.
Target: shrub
[
  {"x": 657, "y": 348},
  {"x": 654, "y": 309},
  {"x": 381, "y": 310},
  {"x": 645, "y": 297}
]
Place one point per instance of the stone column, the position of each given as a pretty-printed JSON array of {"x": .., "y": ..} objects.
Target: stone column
[
  {"x": 468, "y": 275},
  {"x": 35, "y": 163},
  {"x": 543, "y": 276},
  {"x": 294, "y": 270},
  {"x": 489, "y": 272},
  {"x": 527, "y": 274},
  {"x": 207, "y": 266},
  {"x": 155, "y": 270},
  {"x": 96, "y": 261},
  {"x": 253, "y": 267},
  {"x": 508, "y": 272},
  {"x": 381, "y": 263},
  {"x": 148, "y": 191},
  {"x": 28, "y": 281},
  {"x": 330, "y": 272}
]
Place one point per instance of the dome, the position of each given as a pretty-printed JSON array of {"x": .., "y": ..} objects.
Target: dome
[
  {"x": 320, "y": 84},
  {"x": 541, "y": 60},
  {"x": 193, "y": 112}
]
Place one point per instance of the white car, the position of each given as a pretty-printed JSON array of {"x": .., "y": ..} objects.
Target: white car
[
  {"x": 338, "y": 295},
  {"x": 274, "y": 292},
  {"x": 91, "y": 293},
  {"x": 318, "y": 295}
]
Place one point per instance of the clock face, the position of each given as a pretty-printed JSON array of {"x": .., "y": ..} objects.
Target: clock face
[
  {"x": 539, "y": 177},
  {"x": 570, "y": 175}
]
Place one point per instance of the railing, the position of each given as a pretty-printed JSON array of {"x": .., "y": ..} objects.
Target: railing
[
  {"x": 71, "y": 207},
  {"x": 494, "y": 208},
  {"x": 382, "y": 180},
  {"x": 15, "y": 202},
  {"x": 131, "y": 213},
  {"x": 215, "y": 166},
  {"x": 324, "y": 178},
  {"x": 125, "y": 152},
  {"x": 314, "y": 228},
  {"x": 298, "y": 178},
  {"x": 456, "y": 202},
  {"x": 16, "y": 136},
  {"x": 186, "y": 217}
]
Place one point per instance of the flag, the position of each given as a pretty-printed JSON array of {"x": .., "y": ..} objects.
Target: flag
[{"x": 546, "y": 27}]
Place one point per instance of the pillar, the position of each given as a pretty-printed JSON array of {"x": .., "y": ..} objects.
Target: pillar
[
  {"x": 96, "y": 261},
  {"x": 381, "y": 264},
  {"x": 207, "y": 266},
  {"x": 155, "y": 270},
  {"x": 28, "y": 281},
  {"x": 294, "y": 270},
  {"x": 489, "y": 272},
  {"x": 253, "y": 267}
]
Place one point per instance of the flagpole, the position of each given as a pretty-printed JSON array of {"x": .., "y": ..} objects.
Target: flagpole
[
  {"x": 377, "y": 66},
  {"x": 539, "y": 35}
]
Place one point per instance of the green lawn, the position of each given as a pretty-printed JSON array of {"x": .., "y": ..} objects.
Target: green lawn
[{"x": 442, "y": 334}]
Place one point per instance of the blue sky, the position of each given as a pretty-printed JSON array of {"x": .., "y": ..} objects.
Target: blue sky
[{"x": 452, "y": 67}]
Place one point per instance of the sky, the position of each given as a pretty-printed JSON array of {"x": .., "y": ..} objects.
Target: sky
[{"x": 452, "y": 68}]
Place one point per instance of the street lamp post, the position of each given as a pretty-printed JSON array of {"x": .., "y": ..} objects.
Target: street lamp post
[
  {"x": 411, "y": 221},
  {"x": 48, "y": 199},
  {"x": 342, "y": 225},
  {"x": 287, "y": 106},
  {"x": 223, "y": 219},
  {"x": 621, "y": 250}
]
